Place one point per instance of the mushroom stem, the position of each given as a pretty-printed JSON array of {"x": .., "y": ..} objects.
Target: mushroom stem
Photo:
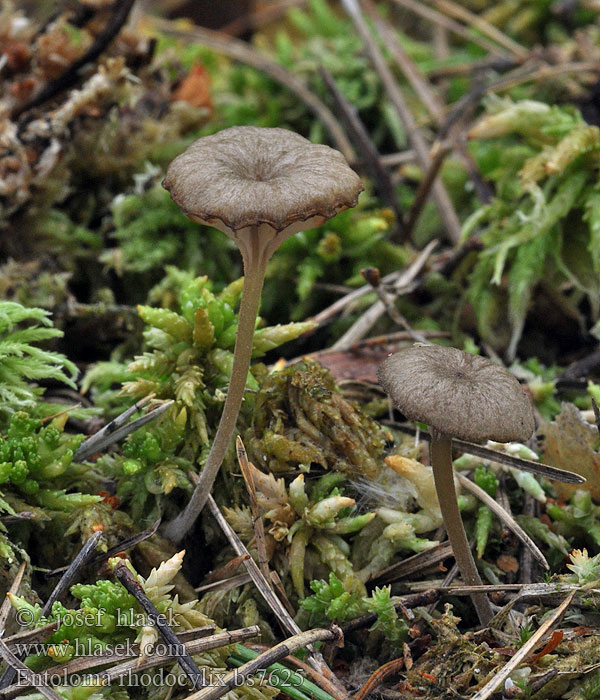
[
  {"x": 255, "y": 262},
  {"x": 443, "y": 474}
]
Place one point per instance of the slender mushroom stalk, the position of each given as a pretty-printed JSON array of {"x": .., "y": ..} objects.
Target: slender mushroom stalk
[
  {"x": 443, "y": 475},
  {"x": 464, "y": 396},
  {"x": 258, "y": 186}
]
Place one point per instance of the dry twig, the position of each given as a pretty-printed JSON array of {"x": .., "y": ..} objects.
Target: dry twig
[
  {"x": 177, "y": 650},
  {"x": 404, "y": 283},
  {"x": 451, "y": 25},
  {"x": 378, "y": 676},
  {"x": 25, "y": 674},
  {"x": 371, "y": 159},
  {"x": 73, "y": 73}
]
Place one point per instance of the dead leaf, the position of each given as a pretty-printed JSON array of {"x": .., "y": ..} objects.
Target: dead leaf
[
  {"x": 569, "y": 444},
  {"x": 195, "y": 88}
]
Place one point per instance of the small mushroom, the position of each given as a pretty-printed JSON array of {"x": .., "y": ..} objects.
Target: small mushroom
[
  {"x": 464, "y": 396},
  {"x": 259, "y": 186}
]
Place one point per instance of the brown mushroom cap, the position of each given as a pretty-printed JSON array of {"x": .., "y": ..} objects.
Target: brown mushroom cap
[
  {"x": 456, "y": 393},
  {"x": 250, "y": 176}
]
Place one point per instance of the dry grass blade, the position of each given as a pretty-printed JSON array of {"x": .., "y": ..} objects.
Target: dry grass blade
[
  {"x": 546, "y": 72},
  {"x": 417, "y": 80},
  {"x": 505, "y": 517},
  {"x": 121, "y": 546},
  {"x": 257, "y": 521},
  {"x": 436, "y": 109},
  {"x": 456, "y": 11},
  {"x": 6, "y": 606},
  {"x": 440, "y": 195},
  {"x": 488, "y": 689},
  {"x": 278, "y": 652},
  {"x": 26, "y": 674},
  {"x": 277, "y": 607},
  {"x": 343, "y": 302},
  {"x": 242, "y": 52}
]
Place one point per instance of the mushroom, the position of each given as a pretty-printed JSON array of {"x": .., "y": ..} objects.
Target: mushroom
[
  {"x": 464, "y": 396},
  {"x": 259, "y": 186}
]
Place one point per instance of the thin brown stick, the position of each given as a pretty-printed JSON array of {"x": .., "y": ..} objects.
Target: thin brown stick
[
  {"x": 404, "y": 282},
  {"x": 506, "y": 518},
  {"x": 279, "y": 587},
  {"x": 436, "y": 162},
  {"x": 262, "y": 661},
  {"x": 440, "y": 195},
  {"x": 257, "y": 521},
  {"x": 459, "y": 12},
  {"x": 416, "y": 79},
  {"x": 432, "y": 103},
  {"x": 526, "y": 563},
  {"x": 33, "y": 636},
  {"x": 176, "y": 648},
  {"x": 225, "y": 584},
  {"x": 401, "y": 158},
  {"x": 242, "y": 52},
  {"x": 371, "y": 274},
  {"x": 544, "y": 73},
  {"x": 81, "y": 559},
  {"x": 6, "y": 608},
  {"x": 489, "y": 688},
  {"x": 121, "y": 546},
  {"x": 365, "y": 146}
]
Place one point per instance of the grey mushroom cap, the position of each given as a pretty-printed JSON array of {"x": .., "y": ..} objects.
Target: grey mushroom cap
[
  {"x": 249, "y": 176},
  {"x": 458, "y": 394}
]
